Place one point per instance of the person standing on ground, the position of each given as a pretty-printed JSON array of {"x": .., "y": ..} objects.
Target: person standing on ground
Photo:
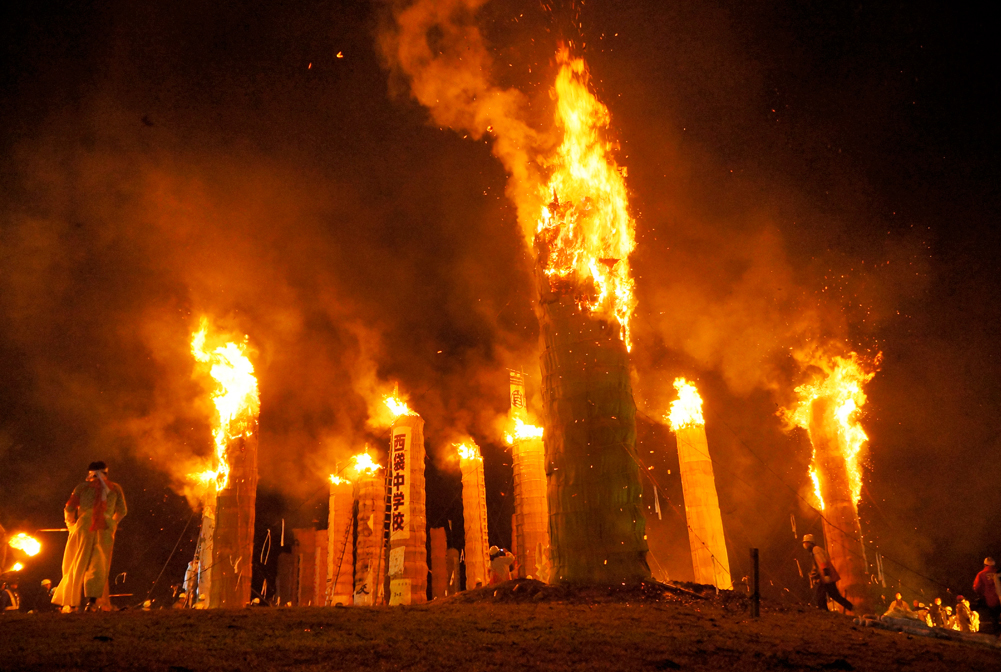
[
  {"x": 824, "y": 577},
  {"x": 964, "y": 617},
  {"x": 986, "y": 586},
  {"x": 937, "y": 613},
  {"x": 500, "y": 565},
  {"x": 92, "y": 515}
]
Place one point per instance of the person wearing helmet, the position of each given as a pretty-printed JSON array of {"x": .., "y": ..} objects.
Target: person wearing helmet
[
  {"x": 824, "y": 577},
  {"x": 43, "y": 602},
  {"x": 500, "y": 565},
  {"x": 986, "y": 586}
]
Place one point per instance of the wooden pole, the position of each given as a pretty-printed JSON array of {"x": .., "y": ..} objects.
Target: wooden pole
[{"x": 755, "y": 595}]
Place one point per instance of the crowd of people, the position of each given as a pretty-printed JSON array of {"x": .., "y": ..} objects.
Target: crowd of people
[{"x": 982, "y": 615}]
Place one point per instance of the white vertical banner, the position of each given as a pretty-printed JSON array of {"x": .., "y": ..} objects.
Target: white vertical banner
[
  {"x": 399, "y": 462},
  {"x": 518, "y": 402}
]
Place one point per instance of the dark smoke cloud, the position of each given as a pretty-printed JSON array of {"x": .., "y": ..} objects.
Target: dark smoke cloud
[{"x": 172, "y": 160}]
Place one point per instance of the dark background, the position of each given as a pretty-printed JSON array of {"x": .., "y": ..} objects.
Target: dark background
[{"x": 798, "y": 171}]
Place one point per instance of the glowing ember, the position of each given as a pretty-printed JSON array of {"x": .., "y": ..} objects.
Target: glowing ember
[
  {"x": 363, "y": 463},
  {"x": 522, "y": 431},
  {"x": 686, "y": 410},
  {"x": 585, "y": 234},
  {"x": 23, "y": 542},
  {"x": 236, "y": 398},
  {"x": 841, "y": 382},
  {"x": 468, "y": 450},
  {"x": 17, "y": 567}
]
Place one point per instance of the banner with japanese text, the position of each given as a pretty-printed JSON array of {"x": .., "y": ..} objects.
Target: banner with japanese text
[
  {"x": 399, "y": 464},
  {"x": 518, "y": 401}
]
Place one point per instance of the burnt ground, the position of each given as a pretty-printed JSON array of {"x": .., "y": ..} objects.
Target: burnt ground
[{"x": 521, "y": 626}]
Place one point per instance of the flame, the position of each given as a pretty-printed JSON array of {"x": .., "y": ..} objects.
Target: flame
[
  {"x": 468, "y": 450},
  {"x": 236, "y": 398},
  {"x": 842, "y": 381},
  {"x": 17, "y": 567},
  {"x": 523, "y": 430},
  {"x": 686, "y": 410},
  {"x": 815, "y": 479},
  {"x": 363, "y": 463},
  {"x": 585, "y": 234},
  {"x": 23, "y": 542},
  {"x": 337, "y": 480},
  {"x": 397, "y": 406}
]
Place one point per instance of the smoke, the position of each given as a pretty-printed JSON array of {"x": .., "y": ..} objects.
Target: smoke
[{"x": 169, "y": 161}]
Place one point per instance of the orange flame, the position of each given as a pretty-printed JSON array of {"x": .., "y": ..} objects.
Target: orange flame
[
  {"x": 17, "y": 567},
  {"x": 522, "y": 431},
  {"x": 23, "y": 542},
  {"x": 585, "y": 235},
  {"x": 815, "y": 479},
  {"x": 363, "y": 463},
  {"x": 236, "y": 398},
  {"x": 686, "y": 410},
  {"x": 397, "y": 406},
  {"x": 337, "y": 480},
  {"x": 468, "y": 450},
  {"x": 842, "y": 381}
]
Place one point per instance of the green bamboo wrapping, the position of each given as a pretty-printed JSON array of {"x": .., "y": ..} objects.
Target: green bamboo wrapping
[{"x": 595, "y": 520}]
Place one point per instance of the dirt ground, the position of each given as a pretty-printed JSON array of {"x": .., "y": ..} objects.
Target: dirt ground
[{"x": 479, "y": 631}]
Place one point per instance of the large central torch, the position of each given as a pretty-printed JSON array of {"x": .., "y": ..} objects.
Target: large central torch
[{"x": 582, "y": 244}]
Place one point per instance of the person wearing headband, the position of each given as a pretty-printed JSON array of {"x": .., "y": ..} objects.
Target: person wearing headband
[{"x": 92, "y": 515}]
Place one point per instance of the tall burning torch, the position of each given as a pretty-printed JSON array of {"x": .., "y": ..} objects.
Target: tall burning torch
[
  {"x": 408, "y": 566},
  {"x": 370, "y": 556},
  {"x": 226, "y": 542},
  {"x": 531, "y": 506},
  {"x": 340, "y": 556},
  {"x": 583, "y": 241},
  {"x": 705, "y": 523},
  {"x": 474, "y": 514},
  {"x": 827, "y": 409}
]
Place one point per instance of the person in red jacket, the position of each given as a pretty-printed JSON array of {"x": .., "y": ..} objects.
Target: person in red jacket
[{"x": 986, "y": 586}]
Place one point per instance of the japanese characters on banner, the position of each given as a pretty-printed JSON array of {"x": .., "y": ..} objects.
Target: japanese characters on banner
[
  {"x": 518, "y": 401},
  {"x": 399, "y": 462}
]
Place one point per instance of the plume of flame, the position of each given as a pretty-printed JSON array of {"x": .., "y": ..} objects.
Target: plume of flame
[
  {"x": 585, "y": 234},
  {"x": 397, "y": 406},
  {"x": 468, "y": 450},
  {"x": 236, "y": 398},
  {"x": 17, "y": 567},
  {"x": 364, "y": 464},
  {"x": 522, "y": 431},
  {"x": 815, "y": 479},
  {"x": 23, "y": 542},
  {"x": 337, "y": 480},
  {"x": 686, "y": 410},
  {"x": 842, "y": 381}
]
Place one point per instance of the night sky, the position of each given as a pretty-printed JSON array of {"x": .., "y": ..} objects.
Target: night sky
[{"x": 799, "y": 172}]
